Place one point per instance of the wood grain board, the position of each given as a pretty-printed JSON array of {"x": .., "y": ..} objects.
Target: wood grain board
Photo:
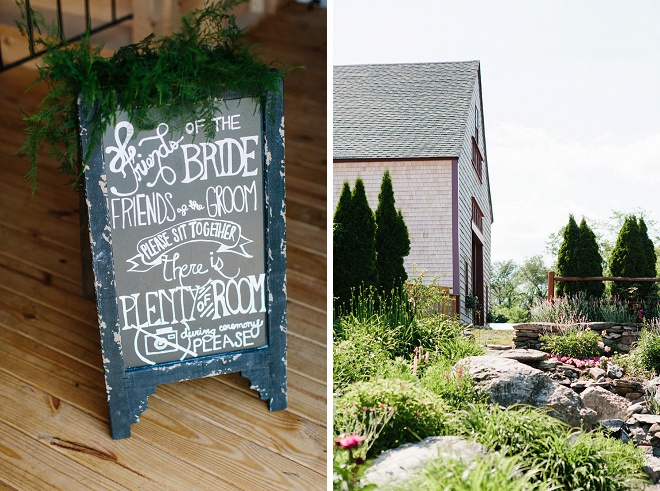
[{"x": 211, "y": 433}]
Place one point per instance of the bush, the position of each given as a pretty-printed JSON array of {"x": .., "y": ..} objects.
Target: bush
[
  {"x": 357, "y": 359},
  {"x": 431, "y": 333},
  {"x": 565, "y": 459},
  {"x": 418, "y": 412},
  {"x": 572, "y": 342},
  {"x": 453, "y": 384},
  {"x": 646, "y": 354}
]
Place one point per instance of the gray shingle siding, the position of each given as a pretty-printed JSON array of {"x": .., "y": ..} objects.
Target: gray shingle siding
[{"x": 402, "y": 110}]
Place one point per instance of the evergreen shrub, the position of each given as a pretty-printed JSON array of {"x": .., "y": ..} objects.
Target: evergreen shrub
[
  {"x": 568, "y": 258},
  {"x": 633, "y": 256},
  {"x": 392, "y": 239}
]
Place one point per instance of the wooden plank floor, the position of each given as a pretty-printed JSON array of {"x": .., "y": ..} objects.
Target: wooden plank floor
[{"x": 206, "y": 434}]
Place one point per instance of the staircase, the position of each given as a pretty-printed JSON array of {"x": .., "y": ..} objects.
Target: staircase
[{"x": 114, "y": 23}]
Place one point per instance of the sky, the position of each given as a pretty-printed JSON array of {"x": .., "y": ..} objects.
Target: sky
[{"x": 571, "y": 96}]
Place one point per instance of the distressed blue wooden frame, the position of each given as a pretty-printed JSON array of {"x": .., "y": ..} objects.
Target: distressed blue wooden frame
[{"x": 128, "y": 389}]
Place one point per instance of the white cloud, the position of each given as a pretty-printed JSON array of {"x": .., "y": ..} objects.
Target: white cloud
[{"x": 537, "y": 179}]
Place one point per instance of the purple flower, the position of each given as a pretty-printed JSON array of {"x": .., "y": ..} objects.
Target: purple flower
[{"x": 640, "y": 314}]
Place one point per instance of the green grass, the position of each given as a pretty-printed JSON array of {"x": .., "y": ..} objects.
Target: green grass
[{"x": 488, "y": 336}]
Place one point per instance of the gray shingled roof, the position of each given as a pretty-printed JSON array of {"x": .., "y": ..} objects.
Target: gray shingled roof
[{"x": 402, "y": 110}]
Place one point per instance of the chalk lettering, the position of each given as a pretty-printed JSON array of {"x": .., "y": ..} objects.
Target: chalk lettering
[{"x": 226, "y": 157}]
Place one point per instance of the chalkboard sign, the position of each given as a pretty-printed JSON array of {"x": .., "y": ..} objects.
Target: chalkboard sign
[{"x": 188, "y": 244}]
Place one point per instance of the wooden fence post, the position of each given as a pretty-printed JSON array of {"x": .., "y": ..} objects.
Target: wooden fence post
[{"x": 551, "y": 284}]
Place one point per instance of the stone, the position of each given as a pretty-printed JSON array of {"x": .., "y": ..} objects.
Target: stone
[
  {"x": 596, "y": 373},
  {"x": 548, "y": 364},
  {"x": 633, "y": 396},
  {"x": 652, "y": 467},
  {"x": 614, "y": 371},
  {"x": 395, "y": 466},
  {"x": 637, "y": 433},
  {"x": 579, "y": 385},
  {"x": 606, "y": 404},
  {"x": 525, "y": 355},
  {"x": 655, "y": 428},
  {"x": 508, "y": 382},
  {"x": 612, "y": 425},
  {"x": 498, "y": 347},
  {"x": 648, "y": 419},
  {"x": 635, "y": 409}
]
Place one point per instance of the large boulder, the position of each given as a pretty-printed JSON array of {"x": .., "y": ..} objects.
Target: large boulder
[
  {"x": 508, "y": 382},
  {"x": 606, "y": 404},
  {"x": 396, "y": 466}
]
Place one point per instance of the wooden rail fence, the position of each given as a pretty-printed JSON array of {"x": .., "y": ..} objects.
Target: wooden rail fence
[{"x": 552, "y": 278}]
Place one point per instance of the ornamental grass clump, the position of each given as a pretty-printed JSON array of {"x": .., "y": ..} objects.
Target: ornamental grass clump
[
  {"x": 579, "y": 308},
  {"x": 174, "y": 78},
  {"x": 561, "y": 457},
  {"x": 492, "y": 472}
]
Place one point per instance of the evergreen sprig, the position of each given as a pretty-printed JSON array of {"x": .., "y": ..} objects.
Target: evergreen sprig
[{"x": 178, "y": 77}]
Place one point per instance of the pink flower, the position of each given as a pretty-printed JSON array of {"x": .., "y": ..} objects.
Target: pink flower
[
  {"x": 640, "y": 314},
  {"x": 601, "y": 344},
  {"x": 349, "y": 441},
  {"x": 607, "y": 349}
]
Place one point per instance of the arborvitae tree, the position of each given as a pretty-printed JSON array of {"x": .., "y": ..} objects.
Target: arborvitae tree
[
  {"x": 341, "y": 247},
  {"x": 647, "y": 290},
  {"x": 590, "y": 262},
  {"x": 567, "y": 258},
  {"x": 628, "y": 260},
  {"x": 649, "y": 250},
  {"x": 392, "y": 239},
  {"x": 361, "y": 260}
]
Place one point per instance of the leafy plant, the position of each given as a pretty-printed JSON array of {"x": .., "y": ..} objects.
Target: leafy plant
[
  {"x": 646, "y": 353},
  {"x": 418, "y": 412},
  {"x": 572, "y": 342},
  {"x": 453, "y": 384},
  {"x": 431, "y": 333},
  {"x": 427, "y": 298},
  {"x": 176, "y": 78}
]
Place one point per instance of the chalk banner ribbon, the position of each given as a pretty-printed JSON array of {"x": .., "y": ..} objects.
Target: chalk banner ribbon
[{"x": 152, "y": 249}]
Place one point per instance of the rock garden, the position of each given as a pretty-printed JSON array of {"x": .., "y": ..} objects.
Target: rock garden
[{"x": 419, "y": 403}]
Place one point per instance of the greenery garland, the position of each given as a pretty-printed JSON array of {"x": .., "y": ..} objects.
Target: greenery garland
[{"x": 180, "y": 76}]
